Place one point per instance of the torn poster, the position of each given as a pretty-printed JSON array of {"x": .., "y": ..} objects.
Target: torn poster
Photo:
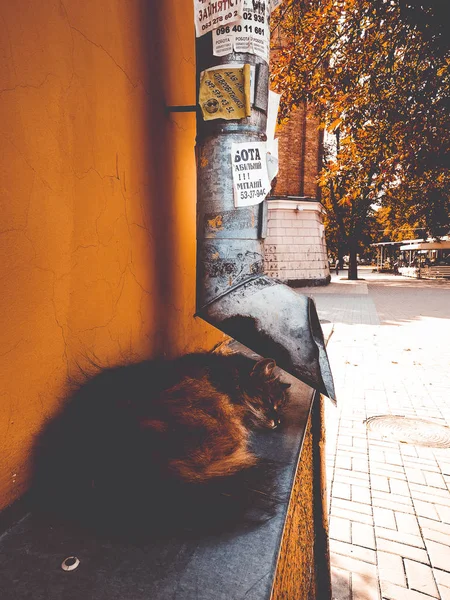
[
  {"x": 211, "y": 14},
  {"x": 272, "y": 143},
  {"x": 240, "y": 66},
  {"x": 251, "y": 33},
  {"x": 250, "y": 178},
  {"x": 272, "y": 158},
  {"x": 225, "y": 92},
  {"x": 274, "y": 4},
  {"x": 272, "y": 114}
]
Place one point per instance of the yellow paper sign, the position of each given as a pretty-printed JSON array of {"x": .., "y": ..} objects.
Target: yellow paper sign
[{"x": 225, "y": 93}]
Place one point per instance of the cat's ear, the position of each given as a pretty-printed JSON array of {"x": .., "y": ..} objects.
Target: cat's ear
[
  {"x": 264, "y": 368},
  {"x": 285, "y": 386}
]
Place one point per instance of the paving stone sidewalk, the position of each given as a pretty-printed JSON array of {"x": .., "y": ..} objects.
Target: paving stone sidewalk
[{"x": 389, "y": 501}]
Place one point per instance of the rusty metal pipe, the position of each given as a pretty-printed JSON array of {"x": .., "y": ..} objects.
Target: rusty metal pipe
[{"x": 233, "y": 294}]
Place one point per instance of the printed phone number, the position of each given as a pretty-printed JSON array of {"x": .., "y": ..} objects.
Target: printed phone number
[
  {"x": 239, "y": 29},
  {"x": 218, "y": 94},
  {"x": 220, "y": 19},
  {"x": 244, "y": 195}
]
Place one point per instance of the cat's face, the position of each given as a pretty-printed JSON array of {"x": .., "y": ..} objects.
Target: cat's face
[{"x": 267, "y": 395}]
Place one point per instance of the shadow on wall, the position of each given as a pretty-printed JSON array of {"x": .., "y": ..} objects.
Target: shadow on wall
[
  {"x": 169, "y": 47},
  {"x": 160, "y": 208}
]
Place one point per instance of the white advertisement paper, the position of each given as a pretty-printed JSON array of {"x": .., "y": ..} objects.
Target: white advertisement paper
[
  {"x": 250, "y": 178},
  {"x": 250, "y": 33},
  {"x": 275, "y": 4},
  {"x": 272, "y": 114},
  {"x": 210, "y": 14},
  {"x": 272, "y": 143},
  {"x": 272, "y": 159}
]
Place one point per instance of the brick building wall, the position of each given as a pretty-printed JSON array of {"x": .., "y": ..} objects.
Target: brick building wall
[
  {"x": 299, "y": 147},
  {"x": 295, "y": 248}
]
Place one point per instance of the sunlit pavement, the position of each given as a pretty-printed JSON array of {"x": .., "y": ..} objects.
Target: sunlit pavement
[{"x": 389, "y": 501}]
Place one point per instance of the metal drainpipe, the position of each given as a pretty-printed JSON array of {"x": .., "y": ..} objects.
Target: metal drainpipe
[{"x": 233, "y": 294}]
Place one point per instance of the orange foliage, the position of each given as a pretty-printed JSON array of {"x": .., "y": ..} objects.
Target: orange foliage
[{"x": 378, "y": 75}]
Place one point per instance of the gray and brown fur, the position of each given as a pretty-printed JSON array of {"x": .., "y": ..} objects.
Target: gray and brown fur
[{"x": 144, "y": 441}]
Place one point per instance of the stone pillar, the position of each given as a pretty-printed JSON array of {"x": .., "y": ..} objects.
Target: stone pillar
[{"x": 295, "y": 248}]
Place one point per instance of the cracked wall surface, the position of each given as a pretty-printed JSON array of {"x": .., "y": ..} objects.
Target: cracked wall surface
[{"x": 97, "y": 235}]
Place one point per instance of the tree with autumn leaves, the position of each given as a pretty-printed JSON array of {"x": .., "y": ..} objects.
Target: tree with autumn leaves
[{"x": 377, "y": 74}]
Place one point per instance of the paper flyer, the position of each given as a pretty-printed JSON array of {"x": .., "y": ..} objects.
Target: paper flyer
[
  {"x": 209, "y": 14},
  {"x": 251, "y": 33},
  {"x": 272, "y": 114},
  {"x": 275, "y": 4},
  {"x": 225, "y": 93},
  {"x": 250, "y": 178},
  {"x": 272, "y": 143},
  {"x": 272, "y": 159},
  {"x": 240, "y": 66}
]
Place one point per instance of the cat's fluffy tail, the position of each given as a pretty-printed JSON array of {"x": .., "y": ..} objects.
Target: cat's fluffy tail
[
  {"x": 219, "y": 505},
  {"x": 244, "y": 498},
  {"x": 168, "y": 506}
]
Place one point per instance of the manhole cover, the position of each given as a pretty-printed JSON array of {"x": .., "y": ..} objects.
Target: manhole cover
[{"x": 410, "y": 431}]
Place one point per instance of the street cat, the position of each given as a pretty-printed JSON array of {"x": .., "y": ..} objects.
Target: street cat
[{"x": 162, "y": 444}]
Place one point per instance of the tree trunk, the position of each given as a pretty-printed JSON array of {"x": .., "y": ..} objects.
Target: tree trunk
[{"x": 352, "y": 265}]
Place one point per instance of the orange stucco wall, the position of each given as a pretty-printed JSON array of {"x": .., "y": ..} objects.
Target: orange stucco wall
[{"x": 97, "y": 239}]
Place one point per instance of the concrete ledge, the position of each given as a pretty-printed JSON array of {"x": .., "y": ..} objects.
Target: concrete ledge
[
  {"x": 245, "y": 563},
  {"x": 308, "y": 282}
]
